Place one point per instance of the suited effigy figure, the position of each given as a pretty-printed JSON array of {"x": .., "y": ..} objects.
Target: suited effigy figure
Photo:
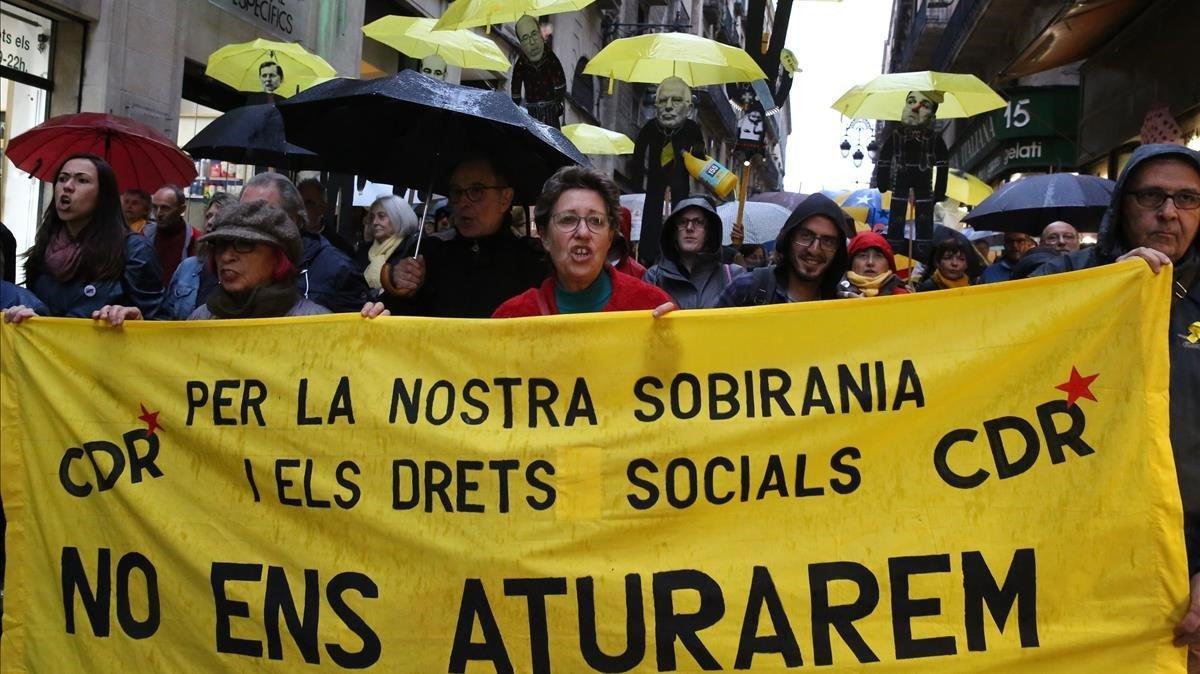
[
  {"x": 658, "y": 158},
  {"x": 906, "y": 162},
  {"x": 538, "y": 82}
]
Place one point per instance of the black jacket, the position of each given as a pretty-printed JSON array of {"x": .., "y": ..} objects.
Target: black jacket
[
  {"x": 751, "y": 289},
  {"x": 708, "y": 278},
  {"x": 470, "y": 278},
  {"x": 140, "y": 285},
  {"x": 1184, "y": 355},
  {"x": 329, "y": 277}
]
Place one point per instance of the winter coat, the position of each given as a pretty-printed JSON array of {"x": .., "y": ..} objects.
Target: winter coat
[
  {"x": 12, "y": 295},
  {"x": 329, "y": 277},
  {"x": 769, "y": 285},
  {"x": 865, "y": 241},
  {"x": 700, "y": 287},
  {"x": 140, "y": 285},
  {"x": 628, "y": 294},
  {"x": 470, "y": 278},
  {"x": 181, "y": 297},
  {"x": 302, "y": 307},
  {"x": 1184, "y": 354}
]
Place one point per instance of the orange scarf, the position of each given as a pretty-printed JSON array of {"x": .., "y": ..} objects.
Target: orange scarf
[{"x": 945, "y": 283}]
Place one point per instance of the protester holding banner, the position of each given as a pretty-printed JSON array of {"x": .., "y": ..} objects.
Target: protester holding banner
[
  {"x": 954, "y": 261},
  {"x": 872, "y": 268},
  {"x": 813, "y": 258},
  {"x": 577, "y": 216},
  {"x": 1154, "y": 215},
  {"x": 84, "y": 256},
  {"x": 689, "y": 264}
]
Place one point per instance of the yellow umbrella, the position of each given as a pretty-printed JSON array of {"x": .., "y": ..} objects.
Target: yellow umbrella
[
  {"x": 416, "y": 37},
  {"x": 884, "y": 97},
  {"x": 472, "y": 13},
  {"x": 595, "y": 140},
  {"x": 966, "y": 188},
  {"x": 654, "y": 57},
  {"x": 237, "y": 65}
]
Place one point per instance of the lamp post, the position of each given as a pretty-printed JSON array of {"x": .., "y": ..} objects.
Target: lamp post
[{"x": 859, "y": 136}]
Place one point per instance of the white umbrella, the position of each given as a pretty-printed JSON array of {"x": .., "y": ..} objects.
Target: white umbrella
[{"x": 761, "y": 221}]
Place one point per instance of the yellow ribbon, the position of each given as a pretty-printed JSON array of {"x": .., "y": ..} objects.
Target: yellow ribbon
[{"x": 1194, "y": 332}]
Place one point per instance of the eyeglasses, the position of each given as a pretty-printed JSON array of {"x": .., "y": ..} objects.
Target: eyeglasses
[
  {"x": 695, "y": 223},
  {"x": 473, "y": 193},
  {"x": 239, "y": 245},
  {"x": 569, "y": 222},
  {"x": 1154, "y": 198},
  {"x": 804, "y": 239}
]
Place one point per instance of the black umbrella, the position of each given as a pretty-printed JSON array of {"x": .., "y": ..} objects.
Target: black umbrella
[
  {"x": 1029, "y": 204},
  {"x": 409, "y": 129},
  {"x": 252, "y": 134}
]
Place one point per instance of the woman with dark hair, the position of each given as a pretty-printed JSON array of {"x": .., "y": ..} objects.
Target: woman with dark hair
[
  {"x": 577, "y": 216},
  {"x": 953, "y": 263},
  {"x": 84, "y": 257}
]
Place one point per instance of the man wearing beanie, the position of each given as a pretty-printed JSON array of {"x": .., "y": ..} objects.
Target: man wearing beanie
[{"x": 872, "y": 268}]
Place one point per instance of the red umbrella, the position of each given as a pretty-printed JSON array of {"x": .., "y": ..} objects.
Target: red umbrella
[{"x": 141, "y": 157}]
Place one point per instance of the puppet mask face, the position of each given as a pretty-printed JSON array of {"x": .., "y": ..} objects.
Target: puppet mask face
[
  {"x": 918, "y": 109},
  {"x": 788, "y": 59},
  {"x": 529, "y": 33},
  {"x": 672, "y": 103},
  {"x": 270, "y": 75},
  {"x": 435, "y": 67}
]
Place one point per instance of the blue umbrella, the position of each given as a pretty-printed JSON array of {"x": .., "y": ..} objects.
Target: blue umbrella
[
  {"x": 251, "y": 134},
  {"x": 1029, "y": 204}
]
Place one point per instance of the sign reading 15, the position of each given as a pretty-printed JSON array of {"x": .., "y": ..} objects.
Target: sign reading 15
[{"x": 1015, "y": 114}]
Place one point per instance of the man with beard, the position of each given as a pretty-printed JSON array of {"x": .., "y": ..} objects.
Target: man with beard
[{"x": 812, "y": 245}]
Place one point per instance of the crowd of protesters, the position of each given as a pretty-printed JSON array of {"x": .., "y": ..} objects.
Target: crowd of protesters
[{"x": 270, "y": 253}]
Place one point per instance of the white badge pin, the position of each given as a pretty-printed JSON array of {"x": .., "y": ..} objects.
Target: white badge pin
[{"x": 89, "y": 290}]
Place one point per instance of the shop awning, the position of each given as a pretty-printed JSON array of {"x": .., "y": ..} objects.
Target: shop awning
[{"x": 1077, "y": 32}]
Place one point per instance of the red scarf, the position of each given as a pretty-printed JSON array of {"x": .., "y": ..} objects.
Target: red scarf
[{"x": 62, "y": 255}]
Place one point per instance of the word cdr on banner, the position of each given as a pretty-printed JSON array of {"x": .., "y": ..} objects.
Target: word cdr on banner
[{"x": 961, "y": 480}]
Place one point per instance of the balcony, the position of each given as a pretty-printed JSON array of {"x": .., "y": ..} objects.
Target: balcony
[{"x": 928, "y": 23}]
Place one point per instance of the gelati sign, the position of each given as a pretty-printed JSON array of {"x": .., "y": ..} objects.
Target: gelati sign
[{"x": 287, "y": 19}]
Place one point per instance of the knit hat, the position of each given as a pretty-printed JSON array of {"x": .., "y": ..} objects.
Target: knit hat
[
  {"x": 260, "y": 222},
  {"x": 866, "y": 240}
]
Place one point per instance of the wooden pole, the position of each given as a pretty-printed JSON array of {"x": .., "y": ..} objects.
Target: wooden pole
[{"x": 738, "y": 234}]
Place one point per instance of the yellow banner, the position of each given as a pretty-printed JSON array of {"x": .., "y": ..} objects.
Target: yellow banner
[{"x": 974, "y": 480}]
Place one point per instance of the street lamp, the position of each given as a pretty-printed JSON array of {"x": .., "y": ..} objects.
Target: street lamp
[{"x": 862, "y": 133}]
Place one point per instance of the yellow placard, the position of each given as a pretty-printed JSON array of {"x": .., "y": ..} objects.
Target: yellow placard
[{"x": 967, "y": 480}]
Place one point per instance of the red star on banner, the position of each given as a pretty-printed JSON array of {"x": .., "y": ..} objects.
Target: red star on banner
[
  {"x": 151, "y": 419},
  {"x": 1078, "y": 387}
]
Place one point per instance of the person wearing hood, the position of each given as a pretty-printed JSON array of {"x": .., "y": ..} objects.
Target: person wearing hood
[
  {"x": 954, "y": 262},
  {"x": 812, "y": 251},
  {"x": 1154, "y": 215},
  {"x": 689, "y": 266},
  {"x": 872, "y": 270}
]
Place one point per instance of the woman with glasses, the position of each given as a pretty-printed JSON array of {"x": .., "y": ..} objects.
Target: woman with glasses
[
  {"x": 84, "y": 256},
  {"x": 577, "y": 216}
]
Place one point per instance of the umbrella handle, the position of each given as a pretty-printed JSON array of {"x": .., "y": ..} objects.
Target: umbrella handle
[
  {"x": 611, "y": 82},
  {"x": 424, "y": 213}
]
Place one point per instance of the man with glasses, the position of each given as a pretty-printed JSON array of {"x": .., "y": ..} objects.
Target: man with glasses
[
  {"x": 1016, "y": 244},
  {"x": 473, "y": 267},
  {"x": 812, "y": 248},
  {"x": 1154, "y": 216},
  {"x": 1061, "y": 237},
  {"x": 689, "y": 266}
]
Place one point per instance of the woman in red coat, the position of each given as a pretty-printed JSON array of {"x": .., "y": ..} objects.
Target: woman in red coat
[{"x": 577, "y": 216}]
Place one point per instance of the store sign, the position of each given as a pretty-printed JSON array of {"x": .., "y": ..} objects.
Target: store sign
[
  {"x": 287, "y": 19},
  {"x": 1032, "y": 112},
  {"x": 25, "y": 41},
  {"x": 1039, "y": 153}
]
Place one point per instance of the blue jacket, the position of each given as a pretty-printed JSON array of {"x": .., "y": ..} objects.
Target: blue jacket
[
  {"x": 181, "y": 296},
  {"x": 12, "y": 294},
  {"x": 329, "y": 277},
  {"x": 140, "y": 285}
]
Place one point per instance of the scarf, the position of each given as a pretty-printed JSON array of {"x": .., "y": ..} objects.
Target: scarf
[
  {"x": 378, "y": 255},
  {"x": 62, "y": 255},
  {"x": 269, "y": 301},
  {"x": 944, "y": 283},
  {"x": 869, "y": 285}
]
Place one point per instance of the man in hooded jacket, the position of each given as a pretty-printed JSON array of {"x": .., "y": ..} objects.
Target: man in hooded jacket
[
  {"x": 812, "y": 246},
  {"x": 1154, "y": 215},
  {"x": 689, "y": 266}
]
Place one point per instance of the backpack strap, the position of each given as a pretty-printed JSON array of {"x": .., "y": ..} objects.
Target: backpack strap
[{"x": 763, "y": 288}]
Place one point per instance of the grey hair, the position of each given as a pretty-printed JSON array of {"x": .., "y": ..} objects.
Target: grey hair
[
  {"x": 289, "y": 197},
  {"x": 401, "y": 215}
]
